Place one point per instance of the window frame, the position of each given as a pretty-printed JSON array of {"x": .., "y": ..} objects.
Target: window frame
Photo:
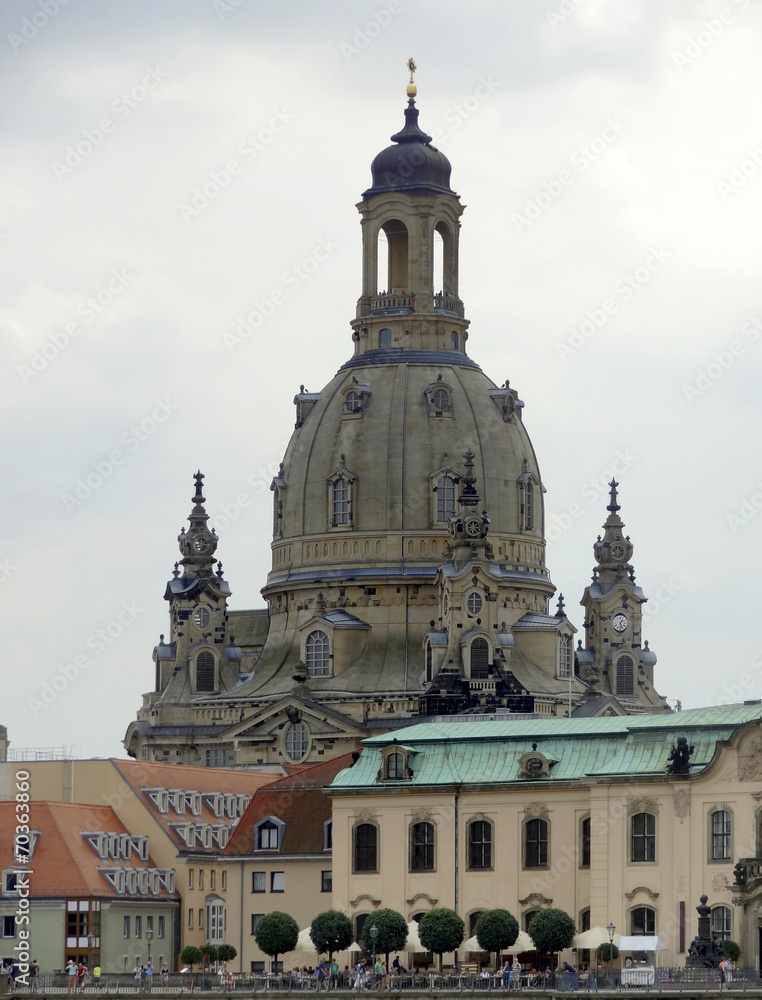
[
  {"x": 725, "y": 933},
  {"x": 370, "y": 851},
  {"x": 274, "y": 877},
  {"x": 625, "y": 662},
  {"x": 536, "y": 848},
  {"x": 260, "y": 876},
  {"x": 482, "y": 846},
  {"x": 326, "y": 880},
  {"x": 205, "y": 653},
  {"x": 721, "y": 842},
  {"x": 422, "y": 852},
  {"x": 584, "y": 842},
  {"x": 643, "y": 842},
  {"x": 318, "y": 655},
  {"x": 646, "y": 932}
]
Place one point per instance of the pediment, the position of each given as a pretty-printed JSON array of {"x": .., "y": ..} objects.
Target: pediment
[{"x": 268, "y": 719}]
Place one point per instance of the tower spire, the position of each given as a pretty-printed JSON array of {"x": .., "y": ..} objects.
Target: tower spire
[{"x": 198, "y": 543}]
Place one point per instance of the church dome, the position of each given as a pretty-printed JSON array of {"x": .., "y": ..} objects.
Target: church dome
[{"x": 413, "y": 164}]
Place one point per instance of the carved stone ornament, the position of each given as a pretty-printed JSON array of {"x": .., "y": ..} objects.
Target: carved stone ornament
[
  {"x": 719, "y": 882},
  {"x": 750, "y": 761},
  {"x": 641, "y": 805},
  {"x": 682, "y": 802},
  {"x": 536, "y": 899},
  {"x": 642, "y": 888},
  {"x": 536, "y": 810},
  {"x": 422, "y": 895},
  {"x": 534, "y": 765},
  {"x": 422, "y": 816},
  {"x": 365, "y": 816},
  {"x": 362, "y": 898}
]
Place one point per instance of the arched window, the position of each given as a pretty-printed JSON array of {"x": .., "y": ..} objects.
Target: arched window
[
  {"x": 445, "y": 499},
  {"x": 340, "y": 502},
  {"x": 643, "y": 837},
  {"x": 479, "y": 659},
  {"x": 473, "y": 920},
  {"x": 385, "y": 337},
  {"x": 584, "y": 843},
  {"x": 317, "y": 654},
  {"x": 297, "y": 741},
  {"x": 535, "y": 843},
  {"x": 437, "y": 260},
  {"x": 353, "y": 402},
  {"x": 395, "y": 766},
  {"x": 215, "y": 919},
  {"x": 454, "y": 341},
  {"x": 205, "y": 671},
  {"x": 422, "y": 847},
  {"x": 643, "y": 920},
  {"x": 584, "y": 920},
  {"x": 440, "y": 399},
  {"x": 475, "y": 603},
  {"x": 721, "y": 917},
  {"x": 366, "y": 848},
  {"x": 267, "y": 836},
  {"x": 529, "y": 917},
  {"x": 393, "y": 270},
  {"x": 480, "y": 844},
  {"x": 721, "y": 829},
  {"x": 624, "y": 675},
  {"x": 564, "y": 656}
]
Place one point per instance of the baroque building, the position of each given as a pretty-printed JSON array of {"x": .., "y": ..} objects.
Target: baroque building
[{"x": 408, "y": 558}]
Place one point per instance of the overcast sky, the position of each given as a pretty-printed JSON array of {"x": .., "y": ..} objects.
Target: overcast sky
[{"x": 169, "y": 166}]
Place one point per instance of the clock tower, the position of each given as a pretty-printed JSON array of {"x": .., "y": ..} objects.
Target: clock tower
[{"x": 616, "y": 660}]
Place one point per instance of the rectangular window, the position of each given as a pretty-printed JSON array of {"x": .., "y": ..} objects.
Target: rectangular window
[
  {"x": 138, "y": 927},
  {"x": 190, "y": 878},
  {"x": 8, "y": 927},
  {"x": 255, "y": 918},
  {"x": 212, "y": 878},
  {"x": 480, "y": 844},
  {"x": 326, "y": 881},
  {"x": 149, "y": 923},
  {"x": 257, "y": 966},
  {"x": 190, "y": 919},
  {"x": 643, "y": 837},
  {"x": 161, "y": 927},
  {"x": 224, "y": 879},
  {"x": 126, "y": 931},
  {"x": 584, "y": 853},
  {"x": 277, "y": 881},
  {"x": 259, "y": 881},
  {"x": 200, "y": 918},
  {"x": 721, "y": 835},
  {"x": 536, "y": 844},
  {"x": 201, "y": 878}
]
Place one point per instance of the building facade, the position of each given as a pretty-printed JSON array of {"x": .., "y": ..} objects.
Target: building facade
[
  {"x": 626, "y": 820},
  {"x": 408, "y": 558}
]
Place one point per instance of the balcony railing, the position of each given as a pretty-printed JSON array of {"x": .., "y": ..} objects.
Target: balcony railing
[
  {"x": 448, "y": 303},
  {"x": 391, "y": 301}
]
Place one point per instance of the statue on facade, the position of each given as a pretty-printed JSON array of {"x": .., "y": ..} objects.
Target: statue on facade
[{"x": 704, "y": 952}]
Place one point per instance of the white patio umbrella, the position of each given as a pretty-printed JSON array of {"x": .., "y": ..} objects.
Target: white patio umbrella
[
  {"x": 522, "y": 943},
  {"x": 304, "y": 947},
  {"x": 594, "y": 938}
]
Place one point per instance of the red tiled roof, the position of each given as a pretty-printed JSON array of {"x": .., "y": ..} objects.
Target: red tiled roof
[
  {"x": 63, "y": 862},
  {"x": 299, "y": 801}
]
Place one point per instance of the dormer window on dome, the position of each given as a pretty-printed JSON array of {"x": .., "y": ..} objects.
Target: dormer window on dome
[
  {"x": 439, "y": 398},
  {"x": 340, "y": 490},
  {"x": 395, "y": 763},
  {"x": 356, "y": 398}
]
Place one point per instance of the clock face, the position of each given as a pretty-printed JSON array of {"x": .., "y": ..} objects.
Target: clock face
[
  {"x": 473, "y": 527},
  {"x": 619, "y": 622},
  {"x": 617, "y": 551},
  {"x": 200, "y": 544},
  {"x": 535, "y": 764}
]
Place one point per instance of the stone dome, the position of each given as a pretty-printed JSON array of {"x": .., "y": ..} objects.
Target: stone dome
[{"x": 412, "y": 164}]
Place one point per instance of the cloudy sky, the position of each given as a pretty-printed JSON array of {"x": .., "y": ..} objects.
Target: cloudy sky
[{"x": 170, "y": 166}]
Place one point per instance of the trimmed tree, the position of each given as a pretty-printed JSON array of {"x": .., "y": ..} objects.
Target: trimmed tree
[
  {"x": 331, "y": 931},
  {"x": 495, "y": 930},
  {"x": 732, "y": 950},
  {"x": 441, "y": 930},
  {"x": 191, "y": 955},
  {"x": 276, "y": 933},
  {"x": 608, "y": 952},
  {"x": 392, "y": 932},
  {"x": 226, "y": 953},
  {"x": 211, "y": 952},
  {"x": 551, "y": 930}
]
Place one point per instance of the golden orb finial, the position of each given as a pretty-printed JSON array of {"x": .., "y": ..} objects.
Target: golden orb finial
[{"x": 412, "y": 90}]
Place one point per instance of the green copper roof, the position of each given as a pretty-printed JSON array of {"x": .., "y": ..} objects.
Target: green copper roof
[{"x": 463, "y": 752}]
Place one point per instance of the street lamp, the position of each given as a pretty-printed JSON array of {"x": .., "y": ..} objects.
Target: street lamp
[
  {"x": 149, "y": 939},
  {"x": 611, "y": 928}
]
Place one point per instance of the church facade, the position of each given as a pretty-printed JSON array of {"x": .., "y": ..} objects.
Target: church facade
[{"x": 408, "y": 573}]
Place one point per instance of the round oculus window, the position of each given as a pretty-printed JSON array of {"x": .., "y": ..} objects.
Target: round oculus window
[
  {"x": 475, "y": 603},
  {"x": 201, "y": 617}
]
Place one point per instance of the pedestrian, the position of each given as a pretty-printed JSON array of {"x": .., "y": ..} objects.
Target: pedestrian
[
  {"x": 164, "y": 973},
  {"x": 34, "y": 972},
  {"x": 725, "y": 968},
  {"x": 334, "y": 974},
  {"x": 81, "y": 975},
  {"x": 71, "y": 972},
  {"x": 516, "y": 974},
  {"x": 97, "y": 977},
  {"x": 572, "y": 972},
  {"x": 359, "y": 975},
  {"x": 149, "y": 977}
]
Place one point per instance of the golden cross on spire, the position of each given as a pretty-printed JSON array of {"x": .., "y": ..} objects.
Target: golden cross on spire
[{"x": 412, "y": 90}]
